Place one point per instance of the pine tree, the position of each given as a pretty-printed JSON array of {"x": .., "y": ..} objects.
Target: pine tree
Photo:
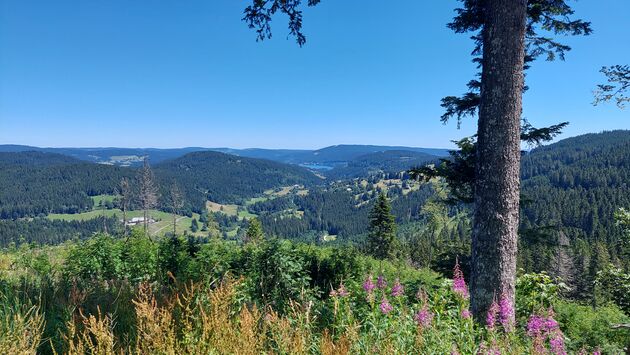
[
  {"x": 506, "y": 42},
  {"x": 176, "y": 201},
  {"x": 194, "y": 225},
  {"x": 124, "y": 192},
  {"x": 254, "y": 232},
  {"x": 382, "y": 242},
  {"x": 148, "y": 194}
]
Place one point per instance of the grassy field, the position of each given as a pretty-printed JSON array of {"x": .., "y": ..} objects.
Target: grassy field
[
  {"x": 102, "y": 198},
  {"x": 230, "y": 210},
  {"x": 163, "y": 220}
]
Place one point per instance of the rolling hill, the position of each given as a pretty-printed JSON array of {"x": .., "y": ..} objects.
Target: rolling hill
[
  {"x": 338, "y": 154},
  {"x": 390, "y": 161},
  {"x": 226, "y": 178},
  {"x": 36, "y": 183}
]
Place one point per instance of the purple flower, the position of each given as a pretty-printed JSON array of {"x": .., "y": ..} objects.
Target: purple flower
[
  {"x": 398, "y": 289},
  {"x": 491, "y": 316},
  {"x": 551, "y": 324},
  {"x": 381, "y": 283},
  {"x": 423, "y": 317},
  {"x": 385, "y": 306},
  {"x": 535, "y": 325},
  {"x": 597, "y": 352},
  {"x": 459, "y": 284},
  {"x": 557, "y": 344},
  {"x": 541, "y": 328},
  {"x": 506, "y": 313},
  {"x": 368, "y": 285},
  {"x": 465, "y": 314}
]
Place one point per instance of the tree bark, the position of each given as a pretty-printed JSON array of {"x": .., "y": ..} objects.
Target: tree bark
[{"x": 496, "y": 216}]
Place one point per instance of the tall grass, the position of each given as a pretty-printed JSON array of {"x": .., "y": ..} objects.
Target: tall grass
[{"x": 21, "y": 326}]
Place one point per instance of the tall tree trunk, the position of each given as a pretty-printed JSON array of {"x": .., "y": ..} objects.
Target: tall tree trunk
[
  {"x": 497, "y": 184},
  {"x": 124, "y": 211},
  {"x": 145, "y": 223}
]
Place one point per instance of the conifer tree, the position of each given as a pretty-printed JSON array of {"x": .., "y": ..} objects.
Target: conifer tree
[
  {"x": 194, "y": 225},
  {"x": 507, "y": 39},
  {"x": 176, "y": 201},
  {"x": 254, "y": 232},
  {"x": 148, "y": 191},
  {"x": 381, "y": 242},
  {"x": 124, "y": 192}
]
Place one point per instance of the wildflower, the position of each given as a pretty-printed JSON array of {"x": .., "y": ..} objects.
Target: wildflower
[
  {"x": 368, "y": 285},
  {"x": 333, "y": 293},
  {"x": 465, "y": 314},
  {"x": 423, "y": 317},
  {"x": 506, "y": 313},
  {"x": 540, "y": 328},
  {"x": 385, "y": 306},
  {"x": 491, "y": 316},
  {"x": 342, "y": 292},
  {"x": 597, "y": 352},
  {"x": 381, "y": 283},
  {"x": 557, "y": 344},
  {"x": 398, "y": 289},
  {"x": 459, "y": 284},
  {"x": 535, "y": 325}
]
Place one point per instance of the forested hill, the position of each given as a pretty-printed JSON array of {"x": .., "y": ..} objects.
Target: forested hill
[
  {"x": 38, "y": 183},
  {"x": 577, "y": 184},
  {"x": 227, "y": 178},
  {"x": 385, "y": 162},
  {"x": 34, "y": 183}
]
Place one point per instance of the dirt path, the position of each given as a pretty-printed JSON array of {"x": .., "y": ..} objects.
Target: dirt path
[{"x": 168, "y": 225}]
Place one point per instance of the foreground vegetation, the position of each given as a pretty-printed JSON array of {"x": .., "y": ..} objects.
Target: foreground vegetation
[{"x": 108, "y": 295}]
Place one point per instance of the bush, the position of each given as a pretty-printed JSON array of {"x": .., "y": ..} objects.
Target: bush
[{"x": 588, "y": 327}]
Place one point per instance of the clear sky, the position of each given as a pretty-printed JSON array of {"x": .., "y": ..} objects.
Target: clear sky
[{"x": 146, "y": 73}]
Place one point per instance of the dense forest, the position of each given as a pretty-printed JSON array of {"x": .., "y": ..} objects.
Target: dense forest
[
  {"x": 35, "y": 183},
  {"x": 42, "y": 231},
  {"x": 390, "y": 161},
  {"x": 227, "y": 178}
]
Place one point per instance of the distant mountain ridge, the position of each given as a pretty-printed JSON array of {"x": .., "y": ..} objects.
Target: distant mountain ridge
[{"x": 337, "y": 154}]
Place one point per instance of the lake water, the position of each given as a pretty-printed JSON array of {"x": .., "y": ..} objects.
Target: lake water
[{"x": 317, "y": 166}]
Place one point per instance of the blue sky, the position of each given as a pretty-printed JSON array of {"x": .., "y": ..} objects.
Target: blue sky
[{"x": 190, "y": 73}]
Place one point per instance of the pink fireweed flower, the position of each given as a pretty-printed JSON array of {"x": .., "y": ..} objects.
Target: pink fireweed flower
[
  {"x": 459, "y": 284},
  {"x": 398, "y": 289},
  {"x": 557, "y": 344},
  {"x": 385, "y": 306},
  {"x": 540, "y": 328},
  {"x": 424, "y": 317},
  {"x": 368, "y": 285},
  {"x": 535, "y": 325},
  {"x": 597, "y": 352},
  {"x": 506, "y": 313},
  {"x": 381, "y": 283},
  {"x": 491, "y": 316},
  {"x": 465, "y": 314}
]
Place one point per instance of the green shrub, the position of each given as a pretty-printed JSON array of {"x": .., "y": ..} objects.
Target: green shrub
[{"x": 588, "y": 327}]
